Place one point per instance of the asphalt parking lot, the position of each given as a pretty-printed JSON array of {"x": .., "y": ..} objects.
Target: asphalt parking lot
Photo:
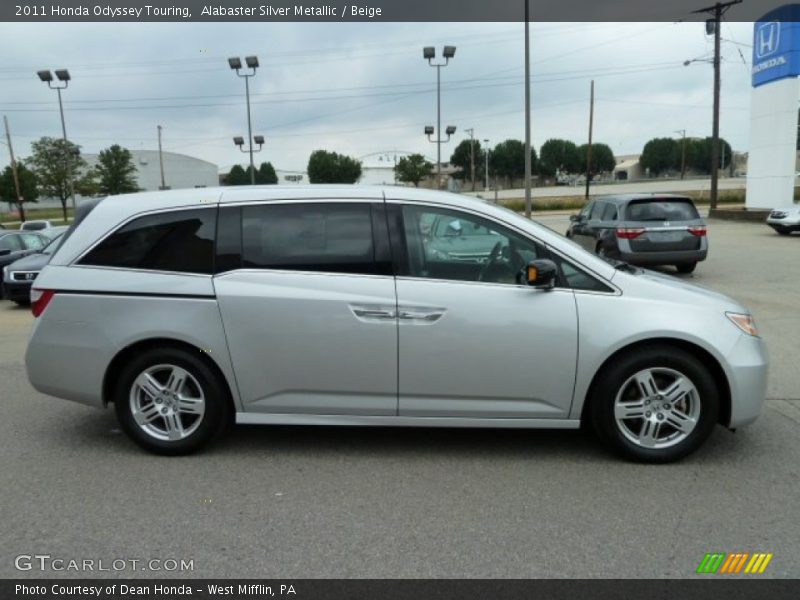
[{"x": 281, "y": 502}]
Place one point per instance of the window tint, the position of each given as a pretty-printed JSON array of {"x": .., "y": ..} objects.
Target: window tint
[
  {"x": 331, "y": 237},
  {"x": 661, "y": 210},
  {"x": 180, "y": 241},
  {"x": 576, "y": 278},
  {"x": 10, "y": 242},
  {"x": 610, "y": 213},
  {"x": 597, "y": 210},
  {"x": 445, "y": 244},
  {"x": 32, "y": 242},
  {"x": 587, "y": 209}
]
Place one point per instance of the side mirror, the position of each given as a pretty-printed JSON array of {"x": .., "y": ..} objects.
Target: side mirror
[
  {"x": 5, "y": 252},
  {"x": 575, "y": 218},
  {"x": 540, "y": 273}
]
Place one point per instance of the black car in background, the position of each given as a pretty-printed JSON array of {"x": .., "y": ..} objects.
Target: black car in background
[
  {"x": 643, "y": 229},
  {"x": 18, "y": 244}
]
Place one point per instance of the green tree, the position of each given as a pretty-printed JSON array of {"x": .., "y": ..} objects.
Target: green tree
[
  {"x": 413, "y": 169},
  {"x": 28, "y": 187},
  {"x": 115, "y": 171},
  {"x": 237, "y": 176},
  {"x": 698, "y": 154},
  {"x": 603, "y": 160},
  {"x": 330, "y": 167},
  {"x": 462, "y": 158},
  {"x": 558, "y": 155},
  {"x": 508, "y": 159},
  {"x": 660, "y": 155},
  {"x": 56, "y": 164},
  {"x": 266, "y": 174}
]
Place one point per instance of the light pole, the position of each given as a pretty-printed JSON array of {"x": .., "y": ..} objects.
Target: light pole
[
  {"x": 683, "y": 151},
  {"x": 63, "y": 76},
  {"x": 429, "y": 53},
  {"x": 258, "y": 139},
  {"x": 235, "y": 64},
  {"x": 429, "y": 129},
  {"x": 486, "y": 166},
  {"x": 471, "y": 133}
]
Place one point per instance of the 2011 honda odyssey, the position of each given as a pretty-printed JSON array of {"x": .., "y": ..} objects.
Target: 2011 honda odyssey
[{"x": 350, "y": 305}]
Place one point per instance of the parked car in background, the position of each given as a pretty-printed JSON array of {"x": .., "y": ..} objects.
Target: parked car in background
[
  {"x": 18, "y": 276},
  {"x": 36, "y": 225},
  {"x": 785, "y": 220},
  {"x": 358, "y": 305},
  {"x": 643, "y": 229},
  {"x": 16, "y": 244}
]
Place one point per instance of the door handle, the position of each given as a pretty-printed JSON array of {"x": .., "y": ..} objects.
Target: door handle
[
  {"x": 428, "y": 315},
  {"x": 381, "y": 313}
]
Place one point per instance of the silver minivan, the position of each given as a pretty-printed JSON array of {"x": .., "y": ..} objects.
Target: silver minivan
[{"x": 347, "y": 305}]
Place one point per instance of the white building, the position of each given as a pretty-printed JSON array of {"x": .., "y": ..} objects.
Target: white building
[{"x": 180, "y": 171}]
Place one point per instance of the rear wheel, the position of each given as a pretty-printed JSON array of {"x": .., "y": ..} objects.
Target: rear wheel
[
  {"x": 686, "y": 267},
  {"x": 783, "y": 231},
  {"x": 655, "y": 405},
  {"x": 170, "y": 402}
]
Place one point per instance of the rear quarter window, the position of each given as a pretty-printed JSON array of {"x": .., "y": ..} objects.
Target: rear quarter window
[
  {"x": 661, "y": 209},
  {"x": 181, "y": 241}
]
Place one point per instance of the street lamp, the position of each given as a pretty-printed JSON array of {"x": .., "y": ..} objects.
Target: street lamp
[
  {"x": 429, "y": 129},
  {"x": 64, "y": 77},
  {"x": 683, "y": 151},
  {"x": 235, "y": 63},
  {"x": 429, "y": 54},
  {"x": 258, "y": 139}
]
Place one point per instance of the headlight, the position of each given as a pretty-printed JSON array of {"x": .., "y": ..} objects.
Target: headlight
[{"x": 744, "y": 322}]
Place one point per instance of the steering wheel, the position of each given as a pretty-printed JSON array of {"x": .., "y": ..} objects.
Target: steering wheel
[{"x": 493, "y": 257}]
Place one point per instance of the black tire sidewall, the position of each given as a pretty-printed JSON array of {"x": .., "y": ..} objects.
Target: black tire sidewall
[
  {"x": 602, "y": 401},
  {"x": 217, "y": 408}
]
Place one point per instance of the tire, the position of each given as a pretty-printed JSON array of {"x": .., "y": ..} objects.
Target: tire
[
  {"x": 147, "y": 400},
  {"x": 686, "y": 267},
  {"x": 600, "y": 250},
  {"x": 652, "y": 433},
  {"x": 783, "y": 231}
]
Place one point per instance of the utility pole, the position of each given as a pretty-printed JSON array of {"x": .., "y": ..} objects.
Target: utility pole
[
  {"x": 486, "y": 157},
  {"x": 589, "y": 147},
  {"x": 717, "y": 10},
  {"x": 471, "y": 156},
  {"x": 527, "y": 113},
  {"x": 683, "y": 151},
  {"x": 161, "y": 159},
  {"x": 14, "y": 171}
]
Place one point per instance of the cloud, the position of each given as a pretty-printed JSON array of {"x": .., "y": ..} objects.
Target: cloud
[{"x": 361, "y": 88}]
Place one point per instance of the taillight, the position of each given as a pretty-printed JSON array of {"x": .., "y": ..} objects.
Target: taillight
[
  {"x": 628, "y": 233},
  {"x": 699, "y": 231},
  {"x": 40, "y": 299}
]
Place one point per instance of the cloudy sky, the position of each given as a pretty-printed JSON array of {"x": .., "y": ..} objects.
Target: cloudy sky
[{"x": 364, "y": 88}]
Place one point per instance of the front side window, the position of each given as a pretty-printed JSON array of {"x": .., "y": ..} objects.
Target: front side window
[
  {"x": 446, "y": 244},
  {"x": 181, "y": 241},
  {"x": 328, "y": 237}
]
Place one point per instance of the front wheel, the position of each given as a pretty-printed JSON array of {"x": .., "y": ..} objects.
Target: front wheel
[
  {"x": 170, "y": 402},
  {"x": 656, "y": 405}
]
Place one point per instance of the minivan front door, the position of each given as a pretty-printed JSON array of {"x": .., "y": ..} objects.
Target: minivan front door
[
  {"x": 309, "y": 309},
  {"x": 474, "y": 342}
]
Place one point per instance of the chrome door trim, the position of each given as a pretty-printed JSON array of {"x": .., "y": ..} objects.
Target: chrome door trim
[
  {"x": 373, "y": 312},
  {"x": 245, "y": 418}
]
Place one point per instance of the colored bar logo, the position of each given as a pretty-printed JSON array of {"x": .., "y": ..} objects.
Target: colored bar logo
[{"x": 734, "y": 563}]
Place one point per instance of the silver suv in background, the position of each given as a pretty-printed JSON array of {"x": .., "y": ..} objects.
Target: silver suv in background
[
  {"x": 643, "y": 229},
  {"x": 785, "y": 220},
  {"x": 328, "y": 305}
]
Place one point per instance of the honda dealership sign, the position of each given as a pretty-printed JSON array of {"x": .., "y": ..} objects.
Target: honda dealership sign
[
  {"x": 773, "y": 108},
  {"x": 776, "y": 45}
]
